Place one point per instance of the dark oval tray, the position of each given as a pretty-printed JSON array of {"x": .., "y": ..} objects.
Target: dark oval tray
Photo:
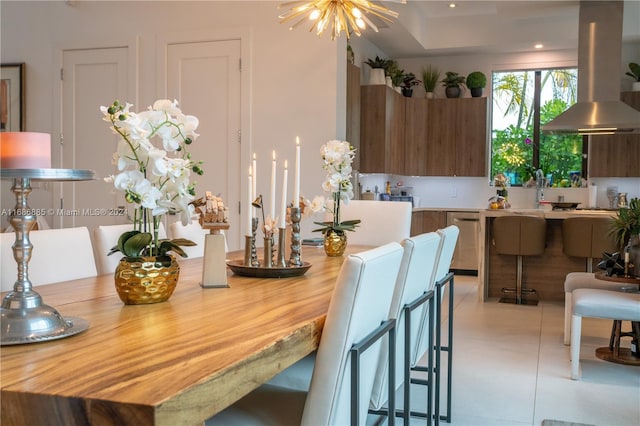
[{"x": 239, "y": 268}]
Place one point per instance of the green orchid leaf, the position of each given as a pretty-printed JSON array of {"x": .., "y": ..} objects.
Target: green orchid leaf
[
  {"x": 123, "y": 238},
  {"x": 183, "y": 242},
  {"x": 170, "y": 245},
  {"x": 135, "y": 244}
]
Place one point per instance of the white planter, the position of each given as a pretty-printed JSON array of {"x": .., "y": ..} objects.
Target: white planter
[
  {"x": 429, "y": 95},
  {"x": 635, "y": 87},
  {"x": 388, "y": 82},
  {"x": 376, "y": 76}
]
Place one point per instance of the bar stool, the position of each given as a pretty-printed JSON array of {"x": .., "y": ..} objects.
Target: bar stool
[
  {"x": 519, "y": 236},
  {"x": 587, "y": 237}
]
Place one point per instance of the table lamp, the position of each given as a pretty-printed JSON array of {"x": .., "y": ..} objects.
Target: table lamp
[{"x": 24, "y": 318}]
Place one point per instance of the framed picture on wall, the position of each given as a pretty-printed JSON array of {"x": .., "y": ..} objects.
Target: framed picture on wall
[{"x": 12, "y": 117}]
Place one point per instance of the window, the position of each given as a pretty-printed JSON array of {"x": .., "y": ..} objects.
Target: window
[{"x": 523, "y": 101}]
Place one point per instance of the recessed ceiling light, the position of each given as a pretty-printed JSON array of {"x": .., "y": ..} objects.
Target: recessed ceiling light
[
  {"x": 538, "y": 45},
  {"x": 452, "y": 5}
]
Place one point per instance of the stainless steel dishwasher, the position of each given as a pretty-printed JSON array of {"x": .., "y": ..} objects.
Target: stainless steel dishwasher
[{"x": 465, "y": 256}]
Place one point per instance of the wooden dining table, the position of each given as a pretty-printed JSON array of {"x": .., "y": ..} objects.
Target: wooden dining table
[{"x": 173, "y": 363}]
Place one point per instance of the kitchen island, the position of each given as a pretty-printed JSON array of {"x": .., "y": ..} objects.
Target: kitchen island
[{"x": 544, "y": 273}]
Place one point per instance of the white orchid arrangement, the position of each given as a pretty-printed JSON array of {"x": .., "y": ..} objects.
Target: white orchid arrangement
[
  {"x": 338, "y": 157},
  {"x": 154, "y": 179}
]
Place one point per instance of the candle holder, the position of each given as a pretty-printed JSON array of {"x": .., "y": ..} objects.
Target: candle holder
[
  {"x": 267, "y": 259},
  {"x": 23, "y": 315},
  {"x": 294, "y": 258},
  {"x": 282, "y": 237},
  {"x": 248, "y": 242},
  {"x": 254, "y": 254}
]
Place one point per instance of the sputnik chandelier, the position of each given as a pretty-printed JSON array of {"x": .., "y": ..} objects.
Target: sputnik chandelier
[{"x": 338, "y": 15}]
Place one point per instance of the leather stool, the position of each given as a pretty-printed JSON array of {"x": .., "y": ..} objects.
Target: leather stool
[
  {"x": 587, "y": 237},
  {"x": 519, "y": 236}
]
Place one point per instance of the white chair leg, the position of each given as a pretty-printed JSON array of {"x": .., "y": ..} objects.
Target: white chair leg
[
  {"x": 568, "y": 308},
  {"x": 576, "y": 332}
]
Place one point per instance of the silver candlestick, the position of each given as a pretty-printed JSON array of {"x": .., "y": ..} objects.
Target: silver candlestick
[
  {"x": 282, "y": 236},
  {"x": 254, "y": 254},
  {"x": 268, "y": 252},
  {"x": 24, "y": 317},
  {"x": 294, "y": 258}
]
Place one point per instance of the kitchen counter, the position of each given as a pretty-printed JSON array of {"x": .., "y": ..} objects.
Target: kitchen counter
[{"x": 545, "y": 273}]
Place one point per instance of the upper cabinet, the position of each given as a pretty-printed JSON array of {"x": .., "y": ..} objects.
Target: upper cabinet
[
  {"x": 422, "y": 137},
  {"x": 616, "y": 155},
  {"x": 382, "y": 130},
  {"x": 353, "y": 109}
]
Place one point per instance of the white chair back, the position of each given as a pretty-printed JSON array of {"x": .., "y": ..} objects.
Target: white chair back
[
  {"x": 416, "y": 276},
  {"x": 360, "y": 303},
  {"x": 449, "y": 237},
  {"x": 57, "y": 255},
  {"x": 105, "y": 237},
  {"x": 193, "y": 232},
  {"x": 382, "y": 222}
]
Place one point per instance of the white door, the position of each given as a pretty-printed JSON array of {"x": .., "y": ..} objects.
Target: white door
[
  {"x": 90, "y": 78},
  {"x": 205, "y": 78}
]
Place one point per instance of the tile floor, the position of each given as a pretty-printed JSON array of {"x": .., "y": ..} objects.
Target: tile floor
[{"x": 511, "y": 367}]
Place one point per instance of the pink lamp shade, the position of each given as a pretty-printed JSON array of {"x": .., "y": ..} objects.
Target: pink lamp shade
[{"x": 25, "y": 150}]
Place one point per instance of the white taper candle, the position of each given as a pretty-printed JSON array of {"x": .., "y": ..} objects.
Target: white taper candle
[
  {"x": 283, "y": 206},
  {"x": 296, "y": 177},
  {"x": 272, "y": 192}
]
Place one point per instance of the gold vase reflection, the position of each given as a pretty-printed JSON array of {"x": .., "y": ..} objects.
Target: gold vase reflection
[
  {"x": 146, "y": 280},
  {"x": 335, "y": 243}
]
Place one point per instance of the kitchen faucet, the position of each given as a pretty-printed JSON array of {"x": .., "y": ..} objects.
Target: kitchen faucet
[{"x": 539, "y": 186}]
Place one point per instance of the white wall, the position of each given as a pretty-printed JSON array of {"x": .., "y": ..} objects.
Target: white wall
[{"x": 296, "y": 78}]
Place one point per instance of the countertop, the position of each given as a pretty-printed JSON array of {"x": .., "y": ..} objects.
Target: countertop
[{"x": 547, "y": 214}]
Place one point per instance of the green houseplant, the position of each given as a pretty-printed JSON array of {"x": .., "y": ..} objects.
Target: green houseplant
[
  {"x": 378, "y": 69},
  {"x": 453, "y": 83},
  {"x": 625, "y": 229},
  {"x": 430, "y": 77},
  {"x": 408, "y": 81},
  {"x": 476, "y": 81},
  {"x": 634, "y": 72}
]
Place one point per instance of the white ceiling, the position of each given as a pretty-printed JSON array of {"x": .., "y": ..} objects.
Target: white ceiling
[{"x": 430, "y": 28}]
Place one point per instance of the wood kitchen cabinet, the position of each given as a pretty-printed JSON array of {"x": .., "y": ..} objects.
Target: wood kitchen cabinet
[
  {"x": 456, "y": 137},
  {"x": 427, "y": 221},
  {"x": 353, "y": 110},
  {"x": 616, "y": 155},
  {"x": 381, "y": 130}
]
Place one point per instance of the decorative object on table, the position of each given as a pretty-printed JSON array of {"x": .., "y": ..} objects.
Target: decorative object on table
[
  {"x": 24, "y": 317},
  {"x": 213, "y": 216},
  {"x": 476, "y": 82},
  {"x": 377, "y": 73},
  {"x": 349, "y": 16},
  {"x": 453, "y": 83},
  {"x": 625, "y": 229},
  {"x": 156, "y": 181},
  {"x": 611, "y": 264},
  {"x": 144, "y": 280},
  {"x": 634, "y": 72},
  {"x": 338, "y": 157},
  {"x": 295, "y": 215},
  {"x": 430, "y": 77},
  {"x": 408, "y": 81}
]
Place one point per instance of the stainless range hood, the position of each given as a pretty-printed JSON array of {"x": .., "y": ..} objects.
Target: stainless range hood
[{"x": 599, "y": 109}]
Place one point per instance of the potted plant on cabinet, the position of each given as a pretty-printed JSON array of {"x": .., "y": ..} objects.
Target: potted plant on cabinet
[
  {"x": 378, "y": 66},
  {"x": 452, "y": 83},
  {"x": 634, "y": 72},
  {"x": 430, "y": 77},
  {"x": 408, "y": 81},
  {"x": 476, "y": 81}
]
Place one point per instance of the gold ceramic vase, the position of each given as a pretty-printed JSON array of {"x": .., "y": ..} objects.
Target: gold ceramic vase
[
  {"x": 146, "y": 280},
  {"x": 335, "y": 242}
]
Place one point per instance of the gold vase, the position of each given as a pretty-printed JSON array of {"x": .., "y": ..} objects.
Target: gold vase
[
  {"x": 146, "y": 280},
  {"x": 335, "y": 242}
]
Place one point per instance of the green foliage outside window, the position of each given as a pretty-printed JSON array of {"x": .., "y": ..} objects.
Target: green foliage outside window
[{"x": 512, "y": 147}]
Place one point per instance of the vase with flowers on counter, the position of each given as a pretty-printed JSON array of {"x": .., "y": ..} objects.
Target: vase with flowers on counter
[
  {"x": 156, "y": 180},
  {"x": 337, "y": 157}
]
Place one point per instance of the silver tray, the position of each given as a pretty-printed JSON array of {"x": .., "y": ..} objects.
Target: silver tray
[{"x": 239, "y": 268}]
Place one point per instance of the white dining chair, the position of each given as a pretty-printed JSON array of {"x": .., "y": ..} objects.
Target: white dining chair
[
  {"x": 57, "y": 255},
  {"x": 381, "y": 222},
  {"x": 412, "y": 295},
  {"x": 359, "y": 304},
  {"x": 443, "y": 278},
  {"x": 105, "y": 237},
  {"x": 576, "y": 280},
  {"x": 597, "y": 303}
]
